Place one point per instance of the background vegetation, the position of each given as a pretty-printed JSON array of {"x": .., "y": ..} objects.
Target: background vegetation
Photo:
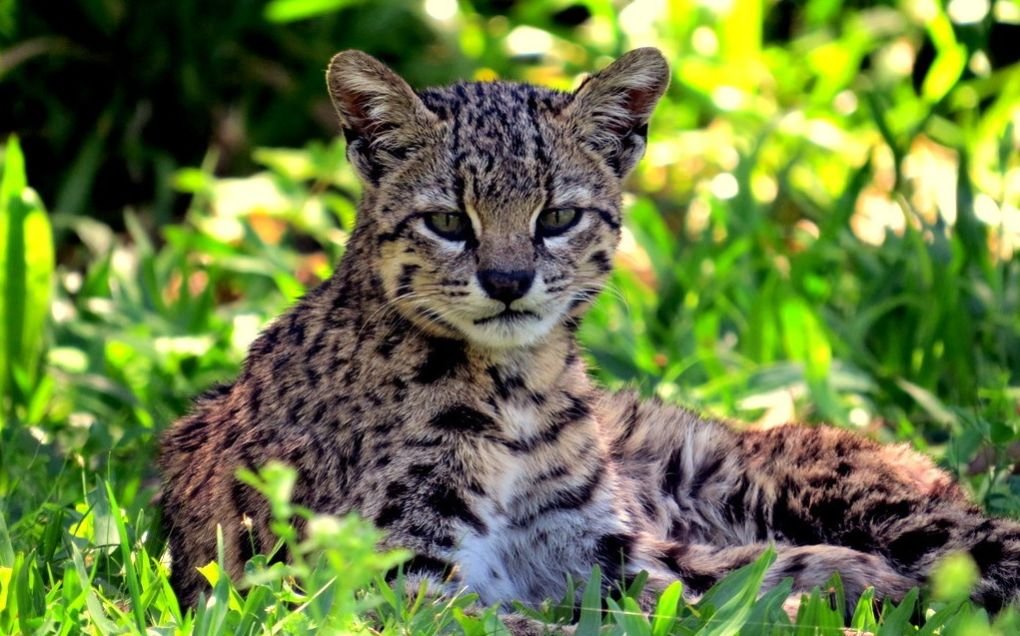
[{"x": 825, "y": 227}]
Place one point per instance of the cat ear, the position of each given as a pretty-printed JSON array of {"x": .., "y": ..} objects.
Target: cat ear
[
  {"x": 381, "y": 117},
  {"x": 610, "y": 110}
]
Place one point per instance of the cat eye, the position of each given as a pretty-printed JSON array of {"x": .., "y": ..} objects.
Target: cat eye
[
  {"x": 556, "y": 221},
  {"x": 452, "y": 226}
]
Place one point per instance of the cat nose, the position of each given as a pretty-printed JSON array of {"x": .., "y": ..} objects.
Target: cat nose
[{"x": 506, "y": 286}]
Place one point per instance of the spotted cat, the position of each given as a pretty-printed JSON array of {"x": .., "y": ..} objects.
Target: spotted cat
[{"x": 434, "y": 383}]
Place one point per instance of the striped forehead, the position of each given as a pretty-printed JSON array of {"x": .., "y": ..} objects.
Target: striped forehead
[{"x": 499, "y": 140}]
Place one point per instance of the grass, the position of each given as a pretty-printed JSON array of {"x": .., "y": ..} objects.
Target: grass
[{"x": 815, "y": 234}]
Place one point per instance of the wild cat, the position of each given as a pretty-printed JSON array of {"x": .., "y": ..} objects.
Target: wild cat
[{"x": 434, "y": 383}]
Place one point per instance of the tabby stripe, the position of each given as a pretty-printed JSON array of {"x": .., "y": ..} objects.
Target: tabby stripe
[
  {"x": 607, "y": 217},
  {"x": 568, "y": 499}
]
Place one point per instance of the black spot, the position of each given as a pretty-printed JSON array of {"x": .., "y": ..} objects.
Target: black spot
[
  {"x": 407, "y": 272},
  {"x": 395, "y": 490},
  {"x": 448, "y": 503},
  {"x": 191, "y": 435},
  {"x": 987, "y": 554},
  {"x": 319, "y": 414},
  {"x": 318, "y": 345},
  {"x": 354, "y": 453},
  {"x": 843, "y": 469},
  {"x": 214, "y": 392},
  {"x": 577, "y": 410},
  {"x": 463, "y": 419},
  {"x": 421, "y": 564},
  {"x": 884, "y": 510},
  {"x": 442, "y": 360},
  {"x": 795, "y": 565},
  {"x": 703, "y": 473},
  {"x": 673, "y": 476},
  {"x": 505, "y": 385},
  {"x": 601, "y": 261},
  {"x": 296, "y": 329},
  {"x": 266, "y": 342},
  {"x": 350, "y": 135},
  {"x": 389, "y": 343},
  {"x": 830, "y": 513},
  {"x": 909, "y": 547},
  {"x": 791, "y": 524},
  {"x": 694, "y": 580},
  {"x": 420, "y": 471},
  {"x": 612, "y": 551},
  {"x": 390, "y": 513},
  {"x": 736, "y": 503},
  {"x": 860, "y": 539},
  {"x": 312, "y": 375},
  {"x": 280, "y": 364},
  {"x": 761, "y": 526}
]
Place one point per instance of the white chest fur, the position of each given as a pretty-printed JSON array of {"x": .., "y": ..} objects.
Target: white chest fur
[{"x": 534, "y": 535}]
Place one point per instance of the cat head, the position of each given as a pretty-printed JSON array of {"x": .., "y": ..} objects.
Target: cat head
[{"x": 493, "y": 209}]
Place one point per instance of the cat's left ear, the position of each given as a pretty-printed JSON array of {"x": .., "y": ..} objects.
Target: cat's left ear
[{"x": 610, "y": 110}]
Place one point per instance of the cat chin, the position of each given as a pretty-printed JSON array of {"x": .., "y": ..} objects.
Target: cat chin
[{"x": 509, "y": 334}]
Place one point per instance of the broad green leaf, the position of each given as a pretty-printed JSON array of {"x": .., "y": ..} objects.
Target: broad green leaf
[
  {"x": 954, "y": 577},
  {"x": 26, "y": 270},
  {"x": 950, "y": 58},
  {"x": 666, "y": 609},
  {"x": 731, "y": 599},
  {"x": 864, "y": 614},
  {"x": 897, "y": 621}
]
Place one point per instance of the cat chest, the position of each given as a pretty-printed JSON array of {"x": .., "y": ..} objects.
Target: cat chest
[
  {"x": 546, "y": 506},
  {"x": 531, "y": 560}
]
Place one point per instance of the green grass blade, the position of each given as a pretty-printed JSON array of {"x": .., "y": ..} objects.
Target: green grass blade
[
  {"x": 95, "y": 607},
  {"x": 591, "y": 605},
  {"x": 6, "y": 548},
  {"x": 137, "y": 607}
]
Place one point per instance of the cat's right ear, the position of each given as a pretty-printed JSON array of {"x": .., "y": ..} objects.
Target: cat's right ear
[{"x": 381, "y": 117}]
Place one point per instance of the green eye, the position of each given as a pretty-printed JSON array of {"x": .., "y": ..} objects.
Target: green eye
[
  {"x": 557, "y": 221},
  {"x": 453, "y": 226}
]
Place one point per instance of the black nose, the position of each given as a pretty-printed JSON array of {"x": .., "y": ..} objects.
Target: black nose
[{"x": 506, "y": 286}]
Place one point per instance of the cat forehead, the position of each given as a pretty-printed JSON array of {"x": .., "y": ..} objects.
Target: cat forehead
[
  {"x": 492, "y": 103},
  {"x": 501, "y": 142}
]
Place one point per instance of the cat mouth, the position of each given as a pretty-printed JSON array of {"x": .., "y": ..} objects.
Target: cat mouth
[{"x": 508, "y": 315}]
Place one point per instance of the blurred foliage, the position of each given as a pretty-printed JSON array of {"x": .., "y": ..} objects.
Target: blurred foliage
[{"x": 826, "y": 227}]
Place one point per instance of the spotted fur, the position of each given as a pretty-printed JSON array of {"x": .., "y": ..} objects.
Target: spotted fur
[{"x": 434, "y": 384}]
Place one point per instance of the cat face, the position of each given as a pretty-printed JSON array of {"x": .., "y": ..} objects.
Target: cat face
[{"x": 494, "y": 207}]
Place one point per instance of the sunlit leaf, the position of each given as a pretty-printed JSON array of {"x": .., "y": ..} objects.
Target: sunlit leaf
[{"x": 291, "y": 10}]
